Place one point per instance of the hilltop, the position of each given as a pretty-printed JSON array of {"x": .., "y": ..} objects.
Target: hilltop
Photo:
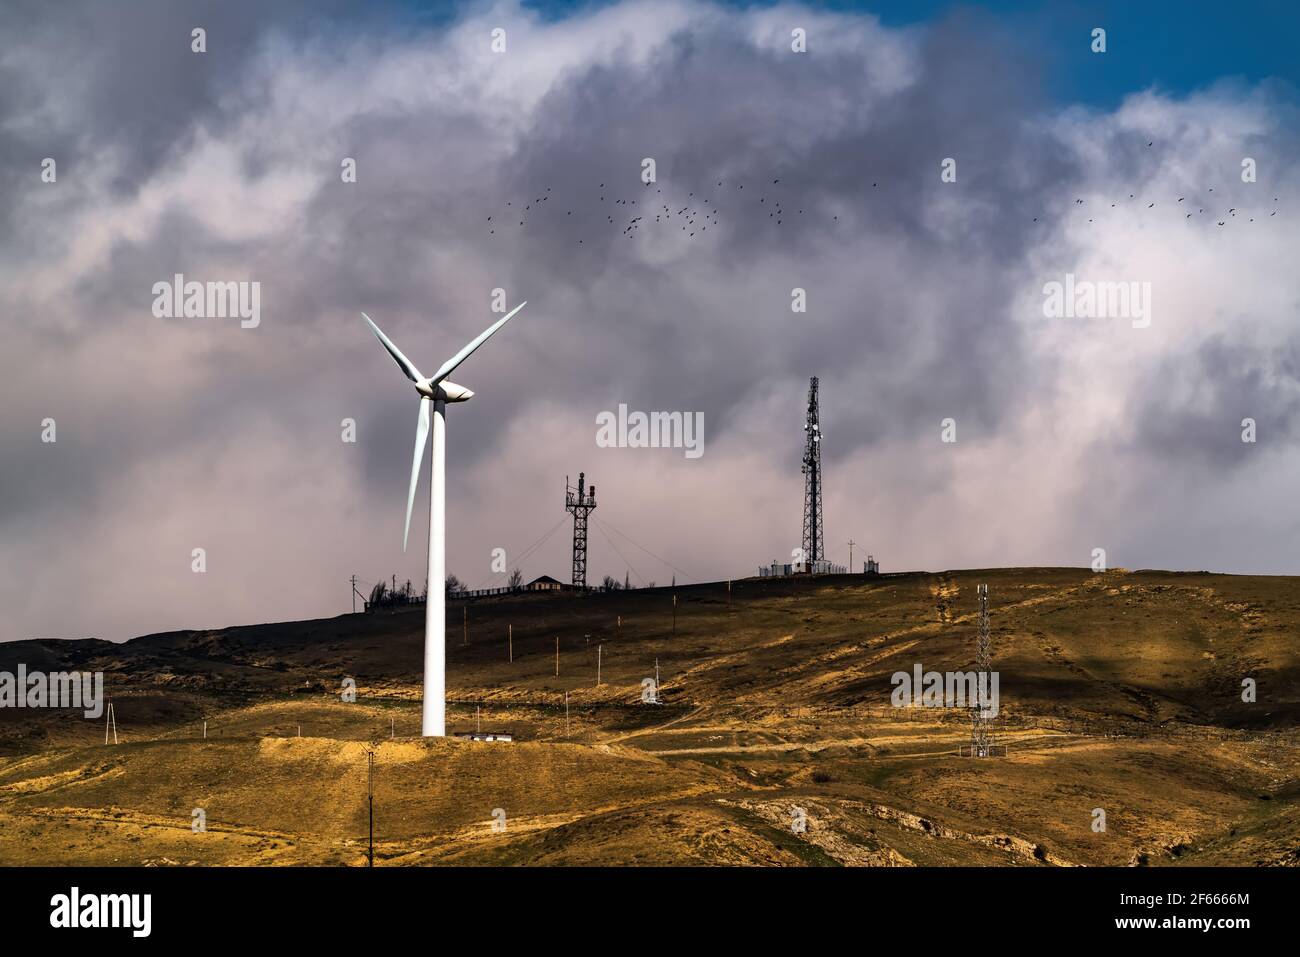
[{"x": 1120, "y": 691}]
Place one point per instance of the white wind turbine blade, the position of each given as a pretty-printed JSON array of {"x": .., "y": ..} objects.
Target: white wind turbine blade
[
  {"x": 449, "y": 366},
  {"x": 421, "y": 434},
  {"x": 406, "y": 364}
]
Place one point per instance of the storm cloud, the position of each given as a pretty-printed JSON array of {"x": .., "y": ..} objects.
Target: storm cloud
[{"x": 925, "y": 301}]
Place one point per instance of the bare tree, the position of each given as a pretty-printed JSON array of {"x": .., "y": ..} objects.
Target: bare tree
[
  {"x": 516, "y": 582},
  {"x": 454, "y": 586}
]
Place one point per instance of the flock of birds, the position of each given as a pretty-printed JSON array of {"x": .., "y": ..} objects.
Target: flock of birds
[
  {"x": 697, "y": 214},
  {"x": 1230, "y": 215}
]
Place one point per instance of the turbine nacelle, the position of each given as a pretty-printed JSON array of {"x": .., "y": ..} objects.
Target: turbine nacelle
[{"x": 446, "y": 390}]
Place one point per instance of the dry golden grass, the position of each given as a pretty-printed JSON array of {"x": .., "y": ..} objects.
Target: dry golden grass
[{"x": 1120, "y": 691}]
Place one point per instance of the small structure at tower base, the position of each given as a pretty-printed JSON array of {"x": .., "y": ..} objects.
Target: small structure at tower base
[{"x": 776, "y": 570}]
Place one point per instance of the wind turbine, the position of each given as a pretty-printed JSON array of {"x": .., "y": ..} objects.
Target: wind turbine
[{"x": 435, "y": 392}]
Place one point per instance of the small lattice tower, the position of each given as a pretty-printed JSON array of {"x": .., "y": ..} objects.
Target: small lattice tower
[
  {"x": 981, "y": 732},
  {"x": 580, "y": 502}
]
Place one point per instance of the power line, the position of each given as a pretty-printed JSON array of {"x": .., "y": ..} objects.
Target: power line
[
  {"x": 526, "y": 552},
  {"x": 646, "y": 550},
  {"x": 639, "y": 576}
]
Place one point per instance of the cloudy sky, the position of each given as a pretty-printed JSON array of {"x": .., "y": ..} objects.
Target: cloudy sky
[{"x": 925, "y": 292}]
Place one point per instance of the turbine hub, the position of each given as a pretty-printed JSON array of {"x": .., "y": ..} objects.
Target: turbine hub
[{"x": 445, "y": 390}]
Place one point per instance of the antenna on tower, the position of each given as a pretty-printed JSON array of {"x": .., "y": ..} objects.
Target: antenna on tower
[
  {"x": 813, "y": 544},
  {"x": 580, "y": 502}
]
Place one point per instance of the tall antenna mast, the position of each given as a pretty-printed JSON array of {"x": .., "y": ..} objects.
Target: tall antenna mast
[
  {"x": 580, "y": 502},
  {"x": 813, "y": 544}
]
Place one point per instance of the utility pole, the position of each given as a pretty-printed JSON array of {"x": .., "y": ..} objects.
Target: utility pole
[
  {"x": 370, "y": 794},
  {"x": 464, "y": 624},
  {"x": 580, "y": 502},
  {"x": 813, "y": 544},
  {"x": 566, "y": 714},
  {"x": 510, "y": 640},
  {"x": 674, "y": 614},
  {"x": 599, "y": 649},
  {"x": 851, "y": 544},
  {"x": 353, "y": 580},
  {"x": 557, "y": 656}
]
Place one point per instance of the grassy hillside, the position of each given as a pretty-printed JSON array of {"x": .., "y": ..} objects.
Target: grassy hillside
[{"x": 1120, "y": 691}]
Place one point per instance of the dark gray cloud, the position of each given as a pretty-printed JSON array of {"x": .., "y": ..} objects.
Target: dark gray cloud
[
  {"x": 175, "y": 434},
  {"x": 1195, "y": 409}
]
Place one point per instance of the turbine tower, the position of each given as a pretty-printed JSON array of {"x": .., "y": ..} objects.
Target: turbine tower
[
  {"x": 813, "y": 545},
  {"x": 435, "y": 392}
]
